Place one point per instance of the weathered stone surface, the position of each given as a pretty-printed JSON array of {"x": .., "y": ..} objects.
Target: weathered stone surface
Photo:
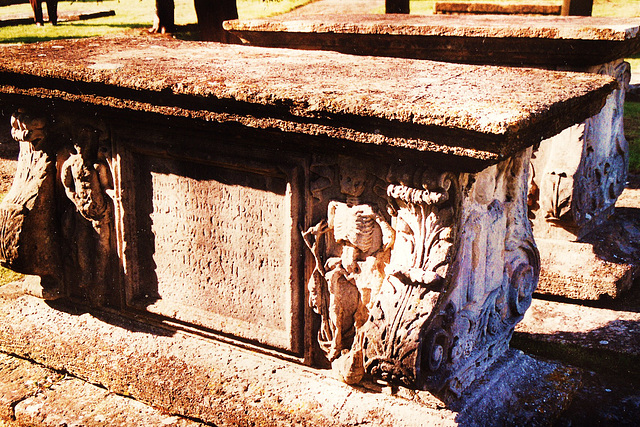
[
  {"x": 190, "y": 376},
  {"x": 225, "y": 385},
  {"x": 497, "y": 8},
  {"x": 575, "y": 270},
  {"x": 339, "y": 6},
  {"x": 603, "y": 264},
  {"x": 519, "y": 390},
  {"x": 21, "y": 379},
  {"x": 479, "y": 39},
  {"x": 72, "y": 402},
  {"x": 426, "y": 295},
  {"x": 199, "y": 186},
  {"x": 587, "y": 327},
  {"x": 28, "y": 206},
  {"x": 481, "y": 113},
  {"x": 224, "y": 247},
  {"x": 579, "y": 173}
]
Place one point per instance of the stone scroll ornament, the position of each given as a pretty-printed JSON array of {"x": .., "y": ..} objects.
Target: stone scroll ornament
[
  {"x": 441, "y": 302},
  {"x": 405, "y": 331},
  {"x": 56, "y": 221},
  {"x": 579, "y": 173},
  {"x": 29, "y": 241}
]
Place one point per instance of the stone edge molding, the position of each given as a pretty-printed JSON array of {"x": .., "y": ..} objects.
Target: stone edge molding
[
  {"x": 117, "y": 78},
  {"x": 588, "y": 28},
  {"x": 474, "y": 39}
]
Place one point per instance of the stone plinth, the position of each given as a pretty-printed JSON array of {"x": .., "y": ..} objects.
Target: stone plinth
[
  {"x": 177, "y": 373},
  {"x": 577, "y": 175},
  {"x": 320, "y": 207}
]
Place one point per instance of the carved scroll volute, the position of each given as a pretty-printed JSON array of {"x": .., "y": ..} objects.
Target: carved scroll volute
[
  {"x": 27, "y": 214},
  {"x": 495, "y": 271},
  {"x": 406, "y": 338}
]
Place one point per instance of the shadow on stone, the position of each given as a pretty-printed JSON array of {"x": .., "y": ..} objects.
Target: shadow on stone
[{"x": 611, "y": 349}]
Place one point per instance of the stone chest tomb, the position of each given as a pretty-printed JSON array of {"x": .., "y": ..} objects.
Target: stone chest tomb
[
  {"x": 576, "y": 175},
  {"x": 368, "y": 214}
]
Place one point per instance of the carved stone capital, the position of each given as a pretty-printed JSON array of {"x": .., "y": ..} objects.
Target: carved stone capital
[
  {"x": 56, "y": 220},
  {"x": 579, "y": 173},
  {"x": 460, "y": 274},
  {"x": 27, "y": 221}
]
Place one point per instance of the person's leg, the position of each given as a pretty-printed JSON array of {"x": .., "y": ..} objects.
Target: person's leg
[
  {"x": 52, "y": 10},
  {"x": 37, "y": 11}
]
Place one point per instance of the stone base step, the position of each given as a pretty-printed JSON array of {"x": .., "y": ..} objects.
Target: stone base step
[
  {"x": 32, "y": 395},
  {"x": 212, "y": 382},
  {"x": 602, "y": 339},
  {"x": 497, "y": 8}
]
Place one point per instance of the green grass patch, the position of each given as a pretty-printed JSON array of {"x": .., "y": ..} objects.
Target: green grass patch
[
  {"x": 6, "y": 275},
  {"x": 130, "y": 14},
  {"x": 620, "y": 8},
  {"x": 632, "y": 133}
]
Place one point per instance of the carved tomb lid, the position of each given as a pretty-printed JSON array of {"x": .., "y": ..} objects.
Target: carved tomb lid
[
  {"x": 572, "y": 41},
  {"x": 480, "y": 114}
]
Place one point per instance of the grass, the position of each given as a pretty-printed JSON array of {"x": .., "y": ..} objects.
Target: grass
[
  {"x": 6, "y": 275},
  {"x": 130, "y": 14},
  {"x": 632, "y": 133}
]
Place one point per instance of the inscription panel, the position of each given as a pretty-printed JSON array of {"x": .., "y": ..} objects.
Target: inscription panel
[{"x": 221, "y": 249}]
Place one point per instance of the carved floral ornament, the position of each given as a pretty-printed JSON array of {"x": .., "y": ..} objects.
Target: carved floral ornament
[{"x": 410, "y": 305}]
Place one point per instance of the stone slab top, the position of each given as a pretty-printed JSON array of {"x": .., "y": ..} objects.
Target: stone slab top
[
  {"x": 537, "y": 27},
  {"x": 501, "y": 8},
  {"x": 469, "y": 112},
  {"x": 482, "y": 39}
]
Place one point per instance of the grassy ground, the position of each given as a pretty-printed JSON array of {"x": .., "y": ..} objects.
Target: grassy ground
[
  {"x": 7, "y": 276},
  {"x": 632, "y": 133},
  {"x": 130, "y": 14}
]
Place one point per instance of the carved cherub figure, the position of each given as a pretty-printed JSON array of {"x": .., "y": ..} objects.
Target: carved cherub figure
[
  {"x": 86, "y": 178},
  {"x": 357, "y": 243}
]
